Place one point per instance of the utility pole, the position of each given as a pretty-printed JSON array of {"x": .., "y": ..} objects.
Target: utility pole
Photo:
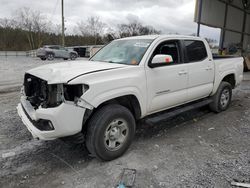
[
  {"x": 63, "y": 28},
  {"x": 199, "y": 17}
]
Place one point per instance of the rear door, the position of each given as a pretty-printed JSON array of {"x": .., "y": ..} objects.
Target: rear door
[
  {"x": 63, "y": 52},
  {"x": 200, "y": 69},
  {"x": 167, "y": 83},
  {"x": 55, "y": 50}
]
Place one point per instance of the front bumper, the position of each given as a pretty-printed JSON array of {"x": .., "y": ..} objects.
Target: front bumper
[{"x": 66, "y": 119}]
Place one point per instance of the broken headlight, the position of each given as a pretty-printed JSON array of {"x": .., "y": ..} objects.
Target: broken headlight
[
  {"x": 54, "y": 96},
  {"x": 74, "y": 92}
]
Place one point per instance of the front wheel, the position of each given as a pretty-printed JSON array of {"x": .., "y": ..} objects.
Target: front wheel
[
  {"x": 73, "y": 56},
  {"x": 110, "y": 132},
  {"x": 222, "y": 98}
]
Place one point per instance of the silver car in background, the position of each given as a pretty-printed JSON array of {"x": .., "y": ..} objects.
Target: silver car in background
[{"x": 50, "y": 52}]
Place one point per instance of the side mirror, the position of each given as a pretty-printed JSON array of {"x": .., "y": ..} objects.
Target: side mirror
[{"x": 161, "y": 60}]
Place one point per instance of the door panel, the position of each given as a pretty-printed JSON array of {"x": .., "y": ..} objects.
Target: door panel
[
  {"x": 167, "y": 87},
  {"x": 201, "y": 78},
  {"x": 167, "y": 84},
  {"x": 63, "y": 52},
  {"x": 56, "y": 51},
  {"x": 200, "y": 69}
]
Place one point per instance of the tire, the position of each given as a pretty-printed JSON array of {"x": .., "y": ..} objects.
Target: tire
[
  {"x": 110, "y": 132},
  {"x": 222, "y": 98},
  {"x": 65, "y": 59},
  {"x": 73, "y": 56},
  {"x": 43, "y": 58},
  {"x": 50, "y": 56}
]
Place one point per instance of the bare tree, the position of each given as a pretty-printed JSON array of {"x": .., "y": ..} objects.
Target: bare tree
[
  {"x": 93, "y": 26},
  {"x": 135, "y": 28},
  {"x": 34, "y": 23},
  {"x": 212, "y": 42},
  {"x": 56, "y": 29},
  {"x": 109, "y": 35},
  {"x": 8, "y": 23}
]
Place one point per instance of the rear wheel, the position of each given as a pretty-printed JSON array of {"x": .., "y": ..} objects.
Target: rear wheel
[
  {"x": 110, "y": 132},
  {"x": 65, "y": 58},
  {"x": 43, "y": 58},
  {"x": 50, "y": 56},
  {"x": 222, "y": 98},
  {"x": 73, "y": 56}
]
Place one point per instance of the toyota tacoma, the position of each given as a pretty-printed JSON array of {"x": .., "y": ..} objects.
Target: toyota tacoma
[{"x": 100, "y": 100}]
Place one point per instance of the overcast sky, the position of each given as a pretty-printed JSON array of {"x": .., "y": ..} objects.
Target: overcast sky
[{"x": 169, "y": 16}]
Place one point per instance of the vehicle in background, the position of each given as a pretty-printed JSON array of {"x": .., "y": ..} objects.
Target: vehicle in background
[
  {"x": 129, "y": 79},
  {"x": 50, "y": 52},
  {"x": 246, "y": 54},
  {"x": 81, "y": 51}
]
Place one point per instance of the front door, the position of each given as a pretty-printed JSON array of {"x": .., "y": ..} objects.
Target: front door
[
  {"x": 63, "y": 52},
  {"x": 167, "y": 84}
]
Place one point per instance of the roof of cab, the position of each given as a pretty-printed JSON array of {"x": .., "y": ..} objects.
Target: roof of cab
[{"x": 160, "y": 36}]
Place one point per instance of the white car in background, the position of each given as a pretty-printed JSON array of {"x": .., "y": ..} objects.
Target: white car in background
[{"x": 50, "y": 52}]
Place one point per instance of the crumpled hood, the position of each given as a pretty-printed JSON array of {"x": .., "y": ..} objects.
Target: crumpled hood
[{"x": 67, "y": 71}]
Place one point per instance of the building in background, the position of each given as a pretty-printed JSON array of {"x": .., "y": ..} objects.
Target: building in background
[{"x": 233, "y": 18}]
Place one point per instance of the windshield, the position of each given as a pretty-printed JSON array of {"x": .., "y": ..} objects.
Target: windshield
[{"x": 128, "y": 52}]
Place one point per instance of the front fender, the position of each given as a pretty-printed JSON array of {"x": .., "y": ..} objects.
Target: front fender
[{"x": 100, "y": 98}]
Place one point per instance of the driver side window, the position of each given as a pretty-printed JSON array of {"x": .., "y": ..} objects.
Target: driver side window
[{"x": 168, "y": 48}]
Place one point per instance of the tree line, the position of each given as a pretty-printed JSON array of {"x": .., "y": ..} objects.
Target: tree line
[{"x": 30, "y": 29}]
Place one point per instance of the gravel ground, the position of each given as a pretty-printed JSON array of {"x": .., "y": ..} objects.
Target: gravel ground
[{"x": 196, "y": 149}]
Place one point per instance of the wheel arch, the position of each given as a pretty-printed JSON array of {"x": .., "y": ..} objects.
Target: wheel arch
[
  {"x": 73, "y": 53},
  {"x": 229, "y": 77},
  {"x": 129, "y": 101}
]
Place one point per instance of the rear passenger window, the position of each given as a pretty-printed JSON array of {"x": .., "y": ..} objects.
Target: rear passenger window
[
  {"x": 195, "y": 50},
  {"x": 54, "y": 47}
]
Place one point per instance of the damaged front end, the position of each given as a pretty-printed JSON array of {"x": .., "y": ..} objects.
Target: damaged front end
[
  {"x": 52, "y": 111},
  {"x": 41, "y": 94}
]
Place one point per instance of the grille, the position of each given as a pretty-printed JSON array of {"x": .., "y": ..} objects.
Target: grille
[
  {"x": 36, "y": 90},
  {"x": 39, "y": 93}
]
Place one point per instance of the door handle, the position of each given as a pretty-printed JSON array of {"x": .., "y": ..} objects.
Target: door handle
[
  {"x": 182, "y": 72},
  {"x": 209, "y": 68}
]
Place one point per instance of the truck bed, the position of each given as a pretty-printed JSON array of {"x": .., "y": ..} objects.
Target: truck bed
[{"x": 215, "y": 56}]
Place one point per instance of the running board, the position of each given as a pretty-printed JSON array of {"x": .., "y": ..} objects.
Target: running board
[{"x": 176, "y": 111}]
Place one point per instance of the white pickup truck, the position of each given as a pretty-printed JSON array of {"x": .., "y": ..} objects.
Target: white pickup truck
[{"x": 101, "y": 99}]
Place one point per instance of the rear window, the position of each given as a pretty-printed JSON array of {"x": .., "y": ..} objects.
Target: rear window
[
  {"x": 54, "y": 47},
  {"x": 196, "y": 50}
]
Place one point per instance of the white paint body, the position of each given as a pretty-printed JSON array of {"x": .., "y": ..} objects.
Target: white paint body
[{"x": 156, "y": 89}]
